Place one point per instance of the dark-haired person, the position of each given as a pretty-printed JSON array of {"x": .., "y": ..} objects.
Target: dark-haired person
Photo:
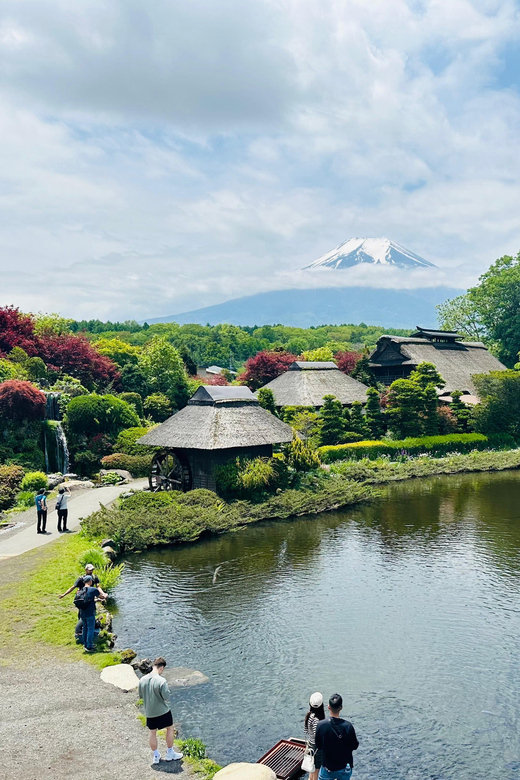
[
  {"x": 41, "y": 510},
  {"x": 337, "y": 740},
  {"x": 154, "y": 691},
  {"x": 88, "y": 613},
  {"x": 62, "y": 508},
  {"x": 312, "y": 718}
]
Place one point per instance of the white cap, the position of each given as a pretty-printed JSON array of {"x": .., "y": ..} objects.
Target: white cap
[
  {"x": 316, "y": 699},
  {"x": 89, "y": 567}
]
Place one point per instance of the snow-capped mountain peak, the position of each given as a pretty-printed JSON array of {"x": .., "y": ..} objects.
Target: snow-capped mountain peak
[{"x": 376, "y": 251}]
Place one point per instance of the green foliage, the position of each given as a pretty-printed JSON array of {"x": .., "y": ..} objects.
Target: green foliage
[
  {"x": 137, "y": 465},
  {"x": 362, "y": 371},
  {"x": 35, "y": 481},
  {"x": 412, "y": 403},
  {"x": 9, "y": 370},
  {"x": 319, "y": 355},
  {"x": 51, "y": 325},
  {"x": 126, "y": 442},
  {"x": 426, "y": 374},
  {"x": 86, "y": 463},
  {"x": 499, "y": 410},
  {"x": 194, "y": 748},
  {"x": 461, "y": 315},
  {"x": 436, "y": 446},
  {"x": 251, "y": 478},
  {"x": 266, "y": 399},
  {"x": 357, "y": 422},
  {"x": 35, "y": 368},
  {"x": 332, "y": 423},
  {"x": 109, "y": 575},
  {"x": 92, "y": 414},
  {"x": 135, "y": 400},
  {"x": 133, "y": 380},
  {"x": 374, "y": 417},
  {"x": 158, "y": 407},
  {"x": 18, "y": 355},
  {"x": 25, "y": 499},
  {"x": 164, "y": 370},
  {"x": 110, "y": 479},
  {"x": 95, "y": 556},
  {"x": 119, "y": 351},
  {"x": 463, "y": 415},
  {"x": 300, "y": 456}
]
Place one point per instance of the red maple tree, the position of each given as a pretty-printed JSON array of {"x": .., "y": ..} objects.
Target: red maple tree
[
  {"x": 347, "y": 361},
  {"x": 21, "y": 401},
  {"x": 265, "y": 366},
  {"x": 17, "y": 330},
  {"x": 74, "y": 355}
]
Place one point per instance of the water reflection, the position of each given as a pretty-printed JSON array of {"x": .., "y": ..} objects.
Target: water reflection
[{"x": 409, "y": 605}]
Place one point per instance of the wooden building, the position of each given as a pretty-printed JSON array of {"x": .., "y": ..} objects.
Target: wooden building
[
  {"x": 395, "y": 357},
  {"x": 217, "y": 425},
  {"x": 306, "y": 383}
]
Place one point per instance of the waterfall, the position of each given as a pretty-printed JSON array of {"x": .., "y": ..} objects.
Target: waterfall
[{"x": 55, "y": 442}]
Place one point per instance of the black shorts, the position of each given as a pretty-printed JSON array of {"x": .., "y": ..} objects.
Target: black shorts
[{"x": 160, "y": 722}]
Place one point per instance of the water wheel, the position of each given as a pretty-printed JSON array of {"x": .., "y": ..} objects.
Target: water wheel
[{"x": 169, "y": 472}]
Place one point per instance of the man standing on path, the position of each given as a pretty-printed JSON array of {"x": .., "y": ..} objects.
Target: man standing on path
[
  {"x": 89, "y": 572},
  {"x": 62, "y": 509},
  {"x": 88, "y": 611},
  {"x": 337, "y": 739},
  {"x": 41, "y": 511},
  {"x": 154, "y": 691}
]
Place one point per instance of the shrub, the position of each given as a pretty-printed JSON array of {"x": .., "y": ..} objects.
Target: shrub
[
  {"x": 16, "y": 330},
  {"x": 35, "y": 480},
  {"x": 194, "y": 748},
  {"x": 25, "y": 499},
  {"x": 21, "y": 401},
  {"x": 109, "y": 575},
  {"x": 158, "y": 407},
  {"x": 137, "y": 465},
  {"x": 126, "y": 442},
  {"x": 300, "y": 456},
  {"x": 10, "y": 370},
  {"x": 10, "y": 483},
  {"x": 36, "y": 368},
  {"x": 86, "y": 463},
  {"x": 434, "y": 445},
  {"x": 266, "y": 400},
  {"x": 91, "y": 414},
  {"x": 265, "y": 366},
  {"x": 110, "y": 479},
  {"x": 96, "y": 557},
  {"x": 135, "y": 400},
  {"x": 251, "y": 479}
]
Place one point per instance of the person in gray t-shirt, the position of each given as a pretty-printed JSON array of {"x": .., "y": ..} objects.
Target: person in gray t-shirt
[{"x": 154, "y": 691}]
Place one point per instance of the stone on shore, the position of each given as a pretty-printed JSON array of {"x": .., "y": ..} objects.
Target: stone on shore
[
  {"x": 120, "y": 675},
  {"x": 78, "y": 484},
  {"x": 180, "y": 677},
  {"x": 245, "y": 772}
]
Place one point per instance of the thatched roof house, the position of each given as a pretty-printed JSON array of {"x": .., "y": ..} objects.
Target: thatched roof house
[
  {"x": 306, "y": 383},
  {"x": 218, "y": 424},
  {"x": 456, "y": 361}
]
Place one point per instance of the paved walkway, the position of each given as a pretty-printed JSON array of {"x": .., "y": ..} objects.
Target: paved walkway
[{"x": 81, "y": 503}]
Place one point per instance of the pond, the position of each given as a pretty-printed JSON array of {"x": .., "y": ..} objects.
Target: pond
[{"x": 408, "y": 607}]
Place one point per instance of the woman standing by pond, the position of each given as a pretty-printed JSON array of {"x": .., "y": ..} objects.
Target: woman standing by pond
[{"x": 313, "y": 717}]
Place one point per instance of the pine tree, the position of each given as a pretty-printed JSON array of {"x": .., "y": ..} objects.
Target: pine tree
[
  {"x": 300, "y": 456},
  {"x": 357, "y": 420},
  {"x": 363, "y": 373},
  {"x": 375, "y": 418},
  {"x": 266, "y": 400},
  {"x": 461, "y": 413},
  {"x": 332, "y": 424}
]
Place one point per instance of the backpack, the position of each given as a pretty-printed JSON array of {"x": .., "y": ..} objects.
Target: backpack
[{"x": 81, "y": 599}]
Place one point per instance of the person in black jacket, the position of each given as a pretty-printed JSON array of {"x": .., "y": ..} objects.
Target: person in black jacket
[{"x": 336, "y": 739}]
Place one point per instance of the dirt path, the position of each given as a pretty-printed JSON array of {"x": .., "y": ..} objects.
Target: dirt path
[
  {"x": 24, "y": 537},
  {"x": 61, "y": 722}
]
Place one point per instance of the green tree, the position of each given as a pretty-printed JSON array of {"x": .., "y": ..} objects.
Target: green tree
[
  {"x": 332, "y": 424},
  {"x": 363, "y": 373},
  {"x": 357, "y": 420},
  {"x": 133, "y": 380},
  {"x": 300, "y": 456},
  {"x": 266, "y": 399},
  {"x": 35, "y": 368},
  {"x": 374, "y": 417},
  {"x": 405, "y": 403},
  {"x": 499, "y": 410},
  {"x": 164, "y": 370},
  {"x": 320, "y": 355},
  {"x": 461, "y": 315},
  {"x": 158, "y": 406},
  {"x": 462, "y": 413},
  {"x": 426, "y": 374},
  {"x": 118, "y": 351}
]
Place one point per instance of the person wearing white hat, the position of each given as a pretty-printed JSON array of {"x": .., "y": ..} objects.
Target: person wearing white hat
[{"x": 315, "y": 714}]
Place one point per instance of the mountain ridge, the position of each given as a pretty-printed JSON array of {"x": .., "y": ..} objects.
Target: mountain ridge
[{"x": 369, "y": 251}]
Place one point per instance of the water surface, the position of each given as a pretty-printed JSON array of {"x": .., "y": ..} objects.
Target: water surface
[{"x": 407, "y": 606}]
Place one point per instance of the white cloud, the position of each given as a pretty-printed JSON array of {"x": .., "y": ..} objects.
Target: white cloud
[{"x": 156, "y": 158}]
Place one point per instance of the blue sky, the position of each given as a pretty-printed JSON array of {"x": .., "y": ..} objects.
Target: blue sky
[{"x": 160, "y": 157}]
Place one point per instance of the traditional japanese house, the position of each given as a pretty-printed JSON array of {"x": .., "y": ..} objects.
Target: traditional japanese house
[
  {"x": 218, "y": 424},
  {"x": 395, "y": 357},
  {"x": 306, "y": 383}
]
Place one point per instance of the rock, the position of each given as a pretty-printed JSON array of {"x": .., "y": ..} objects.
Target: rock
[
  {"x": 145, "y": 666},
  {"x": 245, "y": 772},
  {"x": 70, "y": 475},
  {"x": 55, "y": 480},
  {"x": 110, "y": 553},
  {"x": 108, "y": 543},
  {"x": 77, "y": 484},
  {"x": 120, "y": 675},
  {"x": 127, "y": 656},
  {"x": 124, "y": 475},
  {"x": 180, "y": 677}
]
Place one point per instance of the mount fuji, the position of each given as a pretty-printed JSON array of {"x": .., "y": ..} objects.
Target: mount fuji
[{"x": 376, "y": 251}]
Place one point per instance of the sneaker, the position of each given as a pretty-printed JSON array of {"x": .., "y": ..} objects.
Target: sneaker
[
  {"x": 171, "y": 755},
  {"x": 156, "y": 758}
]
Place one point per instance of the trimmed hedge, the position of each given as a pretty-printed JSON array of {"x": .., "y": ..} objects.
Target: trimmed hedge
[
  {"x": 432, "y": 445},
  {"x": 137, "y": 465}
]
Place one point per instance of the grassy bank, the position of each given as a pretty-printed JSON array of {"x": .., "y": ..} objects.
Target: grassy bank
[
  {"x": 145, "y": 520},
  {"x": 32, "y": 617}
]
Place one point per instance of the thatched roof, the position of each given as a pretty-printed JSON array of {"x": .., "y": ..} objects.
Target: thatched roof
[
  {"x": 456, "y": 361},
  {"x": 218, "y": 418},
  {"x": 305, "y": 384}
]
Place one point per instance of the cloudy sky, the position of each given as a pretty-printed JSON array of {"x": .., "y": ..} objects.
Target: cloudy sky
[{"x": 160, "y": 156}]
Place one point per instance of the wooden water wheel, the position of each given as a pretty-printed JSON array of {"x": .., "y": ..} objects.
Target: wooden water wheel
[{"x": 169, "y": 472}]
